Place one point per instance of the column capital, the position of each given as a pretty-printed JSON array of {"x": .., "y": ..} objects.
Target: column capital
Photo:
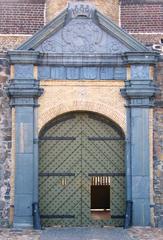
[
  {"x": 23, "y": 92},
  {"x": 140, "y": 89}
]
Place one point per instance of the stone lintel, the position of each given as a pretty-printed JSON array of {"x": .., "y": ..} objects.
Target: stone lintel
[
  {"x": 66, "y": 59},
  {"x": 35, "y": 57}
]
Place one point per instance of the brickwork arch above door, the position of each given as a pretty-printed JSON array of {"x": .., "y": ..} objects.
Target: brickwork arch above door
[{"x": 116, "y": 115}]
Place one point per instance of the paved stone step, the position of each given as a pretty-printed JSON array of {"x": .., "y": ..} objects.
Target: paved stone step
[{"x": 85, "y": 234}]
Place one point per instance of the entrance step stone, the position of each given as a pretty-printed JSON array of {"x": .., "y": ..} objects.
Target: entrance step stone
[{"x": 90, "y": 233}]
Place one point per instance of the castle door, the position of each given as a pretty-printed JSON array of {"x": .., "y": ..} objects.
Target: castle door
[{"x": 81, "y": 171}]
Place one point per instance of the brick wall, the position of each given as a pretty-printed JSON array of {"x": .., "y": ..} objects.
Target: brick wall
[
  {"x": 143, "y": 17},
  {"x": 110, "y": 8},
  {"x": 21, "y": 16}
]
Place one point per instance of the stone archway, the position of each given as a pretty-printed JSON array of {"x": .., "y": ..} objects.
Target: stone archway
[{"x": 48, "y": 60}]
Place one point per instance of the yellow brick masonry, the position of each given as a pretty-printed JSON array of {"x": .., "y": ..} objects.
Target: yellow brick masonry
[
  {"x": 10, "y": 42},
  {"x": 110, "y": 8},
  {"x": 98, "y": 96}
]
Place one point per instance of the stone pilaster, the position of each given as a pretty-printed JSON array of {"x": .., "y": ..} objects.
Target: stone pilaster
[
  {"x": 139, "y": 92},
  {"x": 23, "y": 92}
]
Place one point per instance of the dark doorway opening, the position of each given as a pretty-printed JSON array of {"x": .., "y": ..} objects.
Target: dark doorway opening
[{"x": 100, "y": 198}]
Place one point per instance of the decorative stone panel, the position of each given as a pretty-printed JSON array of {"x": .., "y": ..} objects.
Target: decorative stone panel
[{"x": 81, "y": 73}]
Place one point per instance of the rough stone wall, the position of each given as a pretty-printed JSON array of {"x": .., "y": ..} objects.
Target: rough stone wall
[
  {"x": 5, "y": 144},
  {"x": 109, "y": 8},
  {"x": 158, "y": 150},
  {"x": 143, "y": 19}
]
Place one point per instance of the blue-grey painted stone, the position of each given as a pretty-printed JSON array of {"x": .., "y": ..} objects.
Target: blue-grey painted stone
[
  {"x": 23, "y": 71},
  {"x": 89, "y": 73},
  {"x": 44, "y": 72},
  {"x": 120, "y": 73},
  {"x": 72, "y": 73},
  {"x": 24, "y": 165},
  {"x": 24, "y": 174},
  {"x": 140, "y": 165},
  {"x": 82, "y": 36},
  {"x": 140, "y": 141},
  {"x": 128, "y": 162},
  {"x": 35, "y": 158},
  {"x": 23, "y": 206},
  {"x": 79, "y": 73},
  {"x": 106, "y": 73},
  {"x": 23, "y": 101},
  {"x": 141, "y": 187},
  {"x": 24, "y": 129},
  {"x": 139, "y": 72},
  {"x": 141, "y": 212},
  {"x": 58, "y": 73}
]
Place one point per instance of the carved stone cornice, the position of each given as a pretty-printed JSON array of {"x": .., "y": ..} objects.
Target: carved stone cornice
[
  {"x": 140, "y": 89},
  {"x": 23, "y": 92},
  {"x": 141, "y": 94},
  {"x": 66, "y": 59},
  {"x": 141, "y": 57}
]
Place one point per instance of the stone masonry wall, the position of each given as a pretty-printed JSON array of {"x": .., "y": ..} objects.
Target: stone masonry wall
[
  {"x": 109, "y": 8},
  {"x": 158, "y": 150},
  {"x": 5, "y": 144}
]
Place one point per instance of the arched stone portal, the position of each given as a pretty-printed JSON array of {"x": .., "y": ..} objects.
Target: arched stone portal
[
  {"x": 82, "y": 61},
  {"x": 82, "y": 171}
]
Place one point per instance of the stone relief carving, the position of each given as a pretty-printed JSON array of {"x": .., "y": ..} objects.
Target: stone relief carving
[
  {"x": 82, "y": 36},
  {"x": 81, "y": 73},
  {"x": 140, "y": 72},
  {"x": 81, "y": 9},
  {"x": 23, "y": 71}
]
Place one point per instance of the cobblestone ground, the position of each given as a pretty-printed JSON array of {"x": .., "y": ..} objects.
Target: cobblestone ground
[
  {"x": 148, "y": 233},
  {"x": 135, "y": 233},
  {"x": 12, "y": 234}
]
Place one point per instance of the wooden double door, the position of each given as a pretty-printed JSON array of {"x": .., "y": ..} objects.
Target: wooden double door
[{"x": 76, "y": 151}]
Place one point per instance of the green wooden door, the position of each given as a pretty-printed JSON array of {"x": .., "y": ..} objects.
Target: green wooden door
[{"x": 73, "y": 149}]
